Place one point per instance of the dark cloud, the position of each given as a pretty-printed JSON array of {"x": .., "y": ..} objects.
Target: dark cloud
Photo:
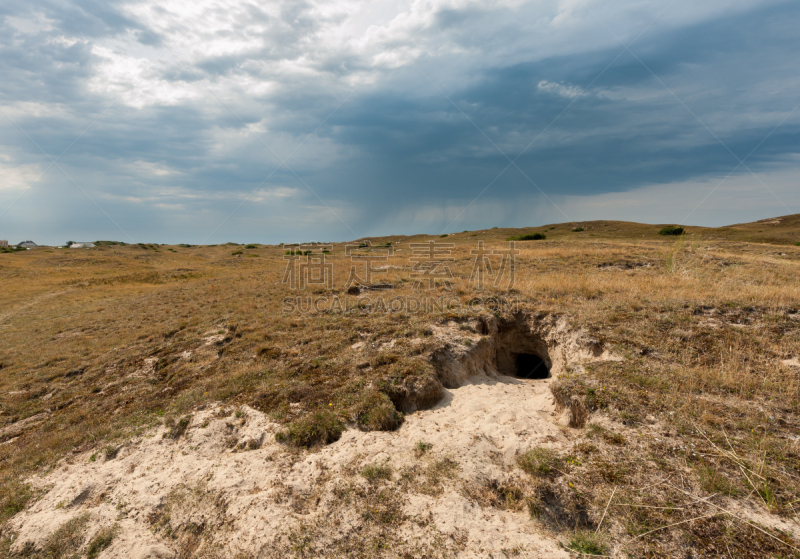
[{"x": 395, "y": 145}]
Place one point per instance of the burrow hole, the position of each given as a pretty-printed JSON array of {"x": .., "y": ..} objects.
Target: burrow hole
[
  {"x": 530, "y": 365},
  {"x": 522, "y": 353}
]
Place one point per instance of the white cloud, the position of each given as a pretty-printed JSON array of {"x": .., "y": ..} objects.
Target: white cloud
[
  {"x": 568, "y": 91},
  {"x": 16, "y": 177}
]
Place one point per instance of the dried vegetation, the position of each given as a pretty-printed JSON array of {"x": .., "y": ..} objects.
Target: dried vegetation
[{"x": 688, "y": 446}]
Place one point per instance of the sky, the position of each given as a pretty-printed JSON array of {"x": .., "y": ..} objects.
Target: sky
[{"x": 210, "y": 121}]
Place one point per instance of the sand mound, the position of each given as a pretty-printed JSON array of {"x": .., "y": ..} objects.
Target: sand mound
[{"x": 218, "y": 485}]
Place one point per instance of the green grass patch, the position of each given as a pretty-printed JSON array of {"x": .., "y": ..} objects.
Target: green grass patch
[
  {"x": 587, "y": 543},
  {"x": 14, "y": 496},
  {"x": 540, "y": 462},
  {"x": 101, "y": 541},
  {"x": 374, "y": 473},
  {"x": 67, "y": 539}
]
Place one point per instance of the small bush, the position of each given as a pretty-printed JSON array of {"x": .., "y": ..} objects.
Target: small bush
[
  {"x": 577, "y": 229},
  {"x": 319, "y": 428},
  {"x": 529, "y": 237},
  {"x": 251, "y": 246},
  {"x": 101, "y": 541},
  {"x": 671, "y": 230},
  {"x": 236, "y": 253}
]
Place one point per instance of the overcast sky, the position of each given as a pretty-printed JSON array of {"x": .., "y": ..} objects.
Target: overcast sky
[{"x": 279, "y": 121}]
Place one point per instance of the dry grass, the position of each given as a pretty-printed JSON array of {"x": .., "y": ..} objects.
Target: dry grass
[{"x": 101, "y": 344}]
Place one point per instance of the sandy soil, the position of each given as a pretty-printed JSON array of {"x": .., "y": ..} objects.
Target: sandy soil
[{"x": 482, "y": 425}]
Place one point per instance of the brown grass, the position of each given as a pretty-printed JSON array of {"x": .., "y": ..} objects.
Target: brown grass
[{"x": 95, "y": 349}]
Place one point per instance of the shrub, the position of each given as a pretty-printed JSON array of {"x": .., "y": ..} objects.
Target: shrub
[
  {"x": 529, "y": 237},
  {"x": 251, "y": 246},
  {"x": 671, "y": 230},
  {"x": 577, "y": 229},
  {"x": 319, "y": 428},
  {"x": 236, "y": 253}
]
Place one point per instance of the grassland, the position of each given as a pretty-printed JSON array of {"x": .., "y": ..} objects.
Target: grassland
[{"x": 708, "y": 324}]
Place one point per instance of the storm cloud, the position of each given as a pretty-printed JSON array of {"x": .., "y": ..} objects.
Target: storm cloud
[{"x": 284, "y": 121}]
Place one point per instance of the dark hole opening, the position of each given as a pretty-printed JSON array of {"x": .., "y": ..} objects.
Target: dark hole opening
[{"x": 531, "y": 366}]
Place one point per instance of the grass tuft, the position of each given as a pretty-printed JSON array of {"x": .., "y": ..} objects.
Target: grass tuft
[
  {"x": 101, "y": 541},
  {"x": 67, "y": 539},
  {"x": 540, "y": 462},
  {"x": 587, "y": 543},
  {"x": 319, "y": 428},
  {"x": 421, "y": 448},
  {"x": 374, "y": 473}
]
